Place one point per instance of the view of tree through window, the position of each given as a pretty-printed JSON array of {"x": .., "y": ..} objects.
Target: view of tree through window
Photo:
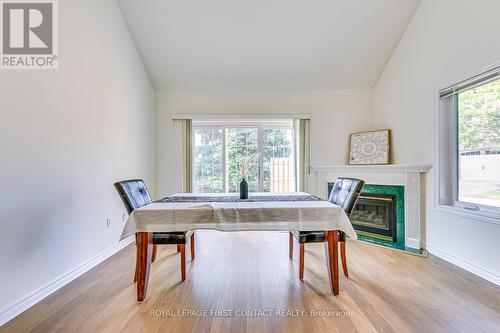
[
  {"x": 219, "y": 151},
  {"x": 241, "y": 143},
  {"x": 479, "y": 144},
  {"x": 208, "y": 160}
]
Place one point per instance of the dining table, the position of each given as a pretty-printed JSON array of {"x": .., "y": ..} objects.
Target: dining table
[{"x": 266, "y": 211}]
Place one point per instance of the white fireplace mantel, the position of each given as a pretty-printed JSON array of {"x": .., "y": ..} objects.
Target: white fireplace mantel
[
  {"x": 409, "y": 176},
  {"x": 374, "y": 168}
]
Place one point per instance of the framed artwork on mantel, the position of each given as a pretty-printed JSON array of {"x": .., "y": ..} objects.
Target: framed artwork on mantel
[{"x": 370, "y": 148}]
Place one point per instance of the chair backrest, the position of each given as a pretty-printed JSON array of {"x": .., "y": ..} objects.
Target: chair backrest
[
  {"x": 345, "y": 193},
  {"x": 134, "y": 193}
]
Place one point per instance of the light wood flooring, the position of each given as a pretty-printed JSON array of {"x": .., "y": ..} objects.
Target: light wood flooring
[{"x": 388, "y": 291}]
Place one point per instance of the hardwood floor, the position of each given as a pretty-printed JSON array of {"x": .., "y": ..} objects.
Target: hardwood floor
[{"x": 387, "y": 291}]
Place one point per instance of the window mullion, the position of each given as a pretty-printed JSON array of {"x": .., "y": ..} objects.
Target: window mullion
[
  {"x": 260, "y": 149},
  {"x": 224, "y": 159},
  {"x": 455, "y": 149}
]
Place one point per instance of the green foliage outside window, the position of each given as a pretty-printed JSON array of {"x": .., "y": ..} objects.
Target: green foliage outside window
[
  {"x": 479, "y": 117},
  {"x": 240, "y": 143}
]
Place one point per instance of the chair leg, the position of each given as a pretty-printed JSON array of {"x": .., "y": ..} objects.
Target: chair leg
[
  {"x": 290, "y": 246},
  {"x": 182, "y": 248},
  {"x": 136, "y": 268},
  {"x": 343, "y": 258},
  {"x": 178, "y": 248},
  {"x": 301, "y": 265},
  {"x": 192, "y": 246},
  {"x": 155, "y": 250},
  {"x": 136, "y": 261}
]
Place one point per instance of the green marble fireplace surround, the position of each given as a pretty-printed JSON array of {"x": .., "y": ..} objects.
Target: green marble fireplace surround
[{"x": 401, "y": 182}]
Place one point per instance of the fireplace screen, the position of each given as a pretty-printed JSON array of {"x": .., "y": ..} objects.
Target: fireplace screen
[{"x": 376, "y": 214}]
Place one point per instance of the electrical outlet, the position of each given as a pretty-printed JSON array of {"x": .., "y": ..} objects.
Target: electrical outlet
[
  {"x": 108, "y": 223},
  {"x": 124, "y": 217}
]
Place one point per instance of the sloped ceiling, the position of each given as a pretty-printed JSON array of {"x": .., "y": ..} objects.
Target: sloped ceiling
[{"x": 266, "y": 44}]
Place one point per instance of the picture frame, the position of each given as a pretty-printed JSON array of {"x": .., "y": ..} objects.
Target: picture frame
[{"x": 370, "y": 147}]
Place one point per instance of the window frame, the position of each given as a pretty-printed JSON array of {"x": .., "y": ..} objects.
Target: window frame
[
  {"x": 447, "y": 156},
  {"x": 261, "y": 126}
]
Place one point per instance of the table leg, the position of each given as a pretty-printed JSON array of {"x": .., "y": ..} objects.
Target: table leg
[
  {"x": 332, "y": 260},
  {"x": 144, "y": 256}
]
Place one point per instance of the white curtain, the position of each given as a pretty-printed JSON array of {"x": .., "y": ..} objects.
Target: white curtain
[
  {"x": 183, "y": 145},
  {"x": 302, "y": 153}
]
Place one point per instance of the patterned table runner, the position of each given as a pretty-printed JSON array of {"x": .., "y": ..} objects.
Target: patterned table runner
[{"x": 234, "y": 198}]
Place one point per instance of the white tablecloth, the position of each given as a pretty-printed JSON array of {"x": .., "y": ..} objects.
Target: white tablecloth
[{"x": 238, "y": 216}]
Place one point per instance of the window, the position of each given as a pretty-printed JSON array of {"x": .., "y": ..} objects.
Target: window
[
  {"x": 240, "y": 143},
  {"x": 219, "y": 148},
  {"x": 469, "y": 144},
  {"x": 208, "y": 163},
  {"x": 479, "y": 145},
  {"x": 276, "y": 159}
]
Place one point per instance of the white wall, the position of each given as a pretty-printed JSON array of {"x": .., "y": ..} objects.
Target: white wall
[
  {"x": 65, "y": 136},
  {"x": 334, "y": 114},
  {"x": 446, "y": 40}
]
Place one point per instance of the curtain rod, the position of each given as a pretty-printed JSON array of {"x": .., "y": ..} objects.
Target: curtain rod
[
  {"x": 226, "y": 116},
  {"x": 470, "y": 83}
]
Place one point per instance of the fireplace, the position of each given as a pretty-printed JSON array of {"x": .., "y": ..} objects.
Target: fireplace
[
  {"x": 376, "y": 214},
  {"x": 379, "y": 215}
]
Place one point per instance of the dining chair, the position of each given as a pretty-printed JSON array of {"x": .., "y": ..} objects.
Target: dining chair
[
  {"x": 135, "y": 194},
  {"x": 345, "y": 193}
]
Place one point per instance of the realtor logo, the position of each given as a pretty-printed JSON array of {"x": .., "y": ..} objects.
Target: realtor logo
[{"x": 28, "y": 34}]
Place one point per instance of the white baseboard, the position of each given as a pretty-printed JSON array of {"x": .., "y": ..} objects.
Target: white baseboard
[
  {"x": 474, "y": 269},
  {"x": 16, "y": 309}
]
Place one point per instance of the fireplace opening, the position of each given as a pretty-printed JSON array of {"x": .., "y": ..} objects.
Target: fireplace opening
[{"x": 375, "y": 214}]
